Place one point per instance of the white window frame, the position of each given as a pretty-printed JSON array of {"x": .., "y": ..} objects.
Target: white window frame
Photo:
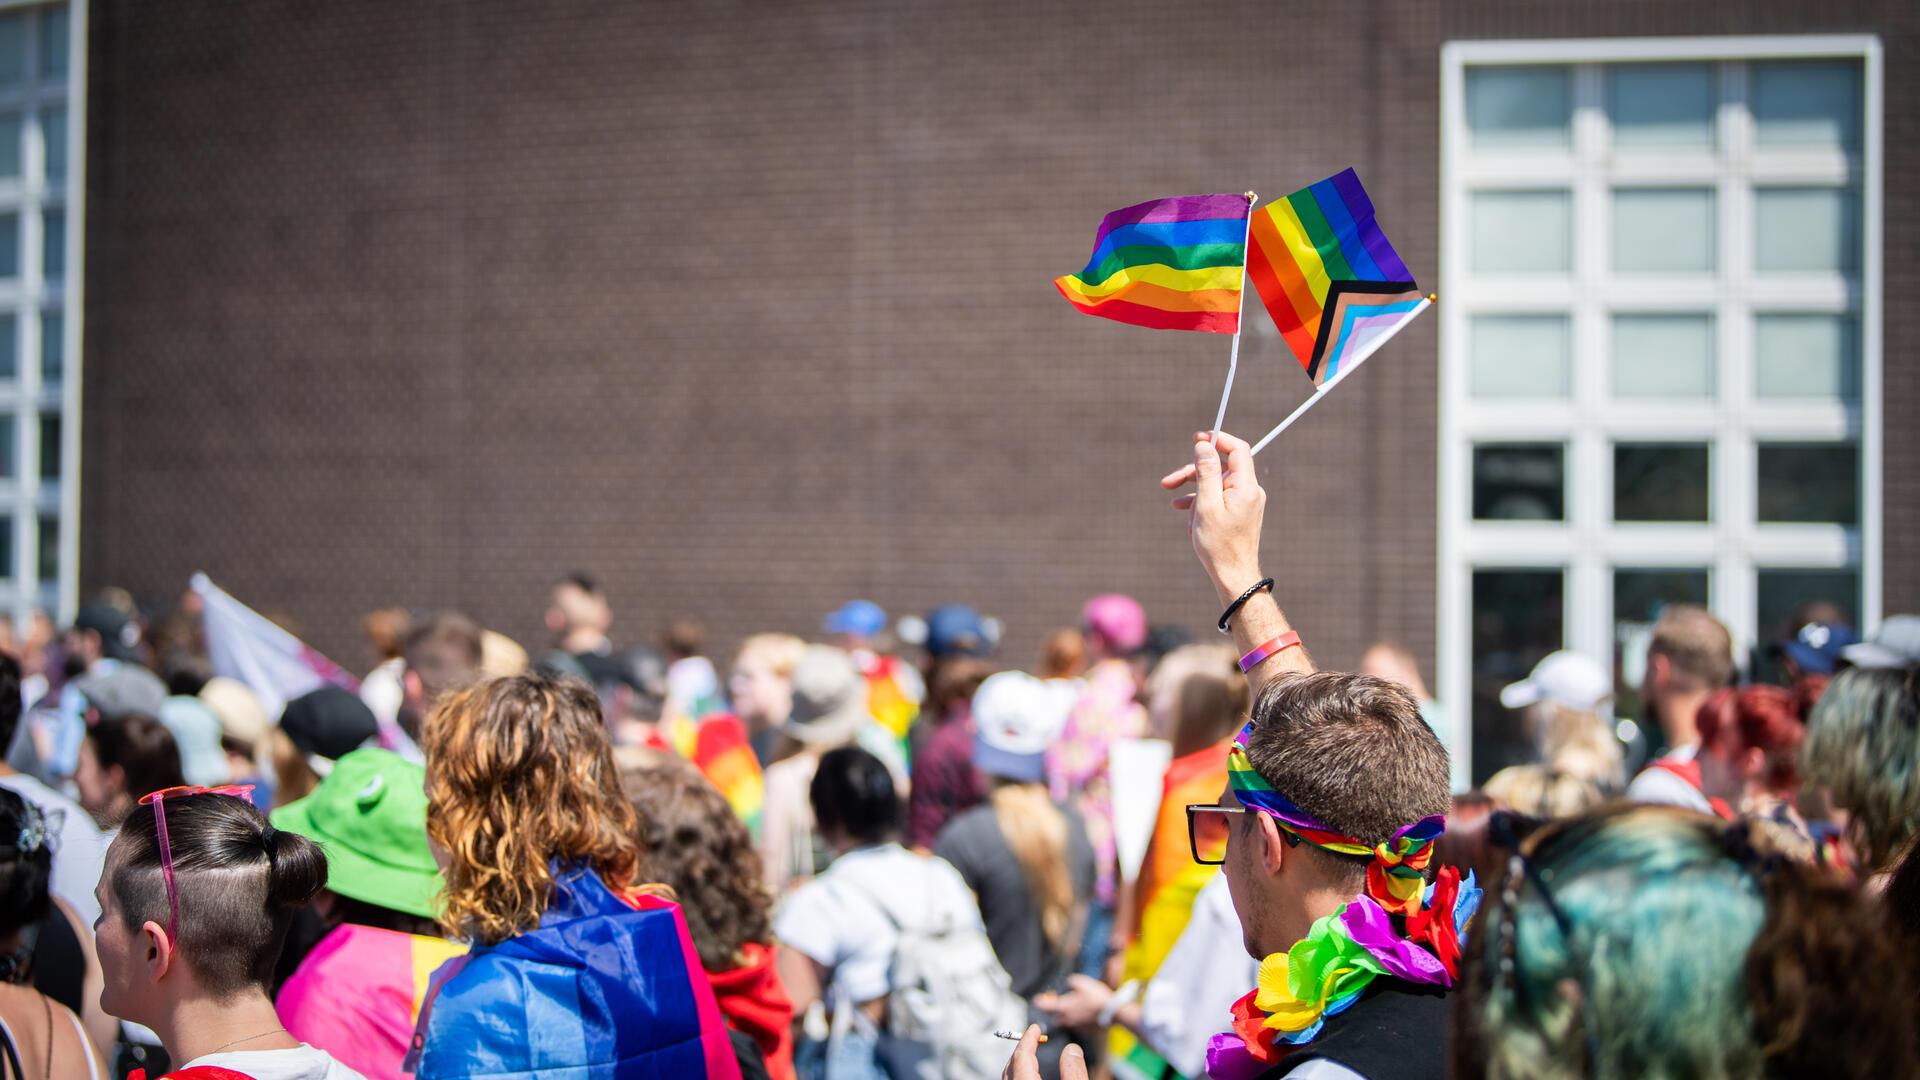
[{"x": 1588, "y": 545}]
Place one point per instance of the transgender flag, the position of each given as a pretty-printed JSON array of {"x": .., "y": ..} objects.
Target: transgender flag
[{"x": 245, "y": 645}]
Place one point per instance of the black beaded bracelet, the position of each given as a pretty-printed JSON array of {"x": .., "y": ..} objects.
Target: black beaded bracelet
[{"x": 1263, "y": 583}]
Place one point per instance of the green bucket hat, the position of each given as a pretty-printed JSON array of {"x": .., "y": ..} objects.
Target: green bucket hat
[{"x": 370, "y": 816}]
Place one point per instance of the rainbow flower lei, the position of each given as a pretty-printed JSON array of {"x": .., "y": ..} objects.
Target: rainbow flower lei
[{"x": 1401, "y": 927}]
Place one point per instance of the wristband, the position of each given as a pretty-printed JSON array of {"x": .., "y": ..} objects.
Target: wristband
[
  {"x": 1260, "y": 654},
  {"x": 1263, "y": 583}
]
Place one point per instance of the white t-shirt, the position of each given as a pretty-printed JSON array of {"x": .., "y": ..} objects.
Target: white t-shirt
[
  {"x": 835, "y": 921},
  {"x": 1190, "y": 997},
  {"x": 303, "y": 1062},
  {"x": 1662, "y": 787},
  {"x": 79, "y": 849}
]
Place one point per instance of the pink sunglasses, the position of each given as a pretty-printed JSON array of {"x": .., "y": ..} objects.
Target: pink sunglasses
[{"x": 155, "y": 799}]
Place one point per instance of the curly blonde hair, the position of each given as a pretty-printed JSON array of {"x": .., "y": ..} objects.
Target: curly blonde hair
[{"x": 520, "y": 774}]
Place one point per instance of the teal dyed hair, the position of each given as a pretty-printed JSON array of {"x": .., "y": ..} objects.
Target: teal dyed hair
[
  {"x": 1661, "y": 919},
  {"x": 1863, "y": 745}
]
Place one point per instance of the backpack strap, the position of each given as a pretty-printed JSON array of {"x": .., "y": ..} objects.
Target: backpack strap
[{"x": 1689, "y": 771}]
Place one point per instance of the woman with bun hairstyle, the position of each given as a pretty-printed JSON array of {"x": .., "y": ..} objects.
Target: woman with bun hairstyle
[
  {"x": 576, "y": 967},
  {"x": 195, "y": 901}
]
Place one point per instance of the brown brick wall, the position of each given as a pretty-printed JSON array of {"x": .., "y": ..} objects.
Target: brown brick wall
[{"x": 745, "y": 307}]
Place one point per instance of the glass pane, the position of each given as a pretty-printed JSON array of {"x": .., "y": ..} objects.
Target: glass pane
[
  {"x": 1638, "y": 597},
  {"x": 1661, "y": 104},
  {"x": 1511, "y": 107},
  {"x": 13, "y": 48},
  {"x": 53, "y": 243},
  {"x": 49, "y": 446},
  {"x": 1521, "y": 356},
  {"x": 49, "y": 549},
  {"x": 1519, "y": 482},
  {"x": 1516, "y": 622},
  {"x": 10, "y": 155},
  {"x": 52, "y": 345},
  {"x": 9, "y": 245},
  {"x": 1806, "y": 229},
  {"x": 53, "y": 129},
  {"x": 1817, "y": 483},
  {"x": 1806, "y": 356},
  {"x": 1663, "y": 356},
  {"x": 53, "y": 42},
  {"x": 6, "y": 547},
  {"x": 1660, "y": 482},
  {"x": 1518, "y": 231},
  {"x": 1663, "y": 230},
  {"x": 1806, "y": 103},
  {"x": 9, "y": 346},
  {"x": 9, "y": 452}
]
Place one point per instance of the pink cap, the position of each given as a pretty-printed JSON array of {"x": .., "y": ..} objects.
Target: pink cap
[{"x": 1118, "y": 618}]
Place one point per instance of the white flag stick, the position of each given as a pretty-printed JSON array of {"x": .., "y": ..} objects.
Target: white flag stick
[
  {"x": 1346, "y": 369},
  {"x": 1233, "y": 358}
]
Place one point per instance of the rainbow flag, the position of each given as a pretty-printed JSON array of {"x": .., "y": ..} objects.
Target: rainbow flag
[
  {"x": 1169, "y": 264},
  {"x": 718, "y": 747},
  {"x": 1333, "y": 284}
]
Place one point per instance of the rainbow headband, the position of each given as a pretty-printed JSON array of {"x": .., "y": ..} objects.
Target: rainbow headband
[{"x": 1410, "y": 847}]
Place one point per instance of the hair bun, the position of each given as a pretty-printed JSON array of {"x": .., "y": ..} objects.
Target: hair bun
[{"x": 296, "y": 868}]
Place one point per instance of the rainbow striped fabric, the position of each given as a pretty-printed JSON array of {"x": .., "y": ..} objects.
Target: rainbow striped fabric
[
  {"x": 1169, "y": 264},
  {"x": 1328, "y": 275}
]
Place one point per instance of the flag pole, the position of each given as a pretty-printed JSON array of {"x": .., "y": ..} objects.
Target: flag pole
[
  {"x": 1345, "y": 370},
  {"x": 1233, "y": 357}
]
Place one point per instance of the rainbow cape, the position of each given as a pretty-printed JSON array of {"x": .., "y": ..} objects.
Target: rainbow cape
[
  {"x": 1327, "y": 274},
  {"x": 1164, "y": 895},
  {"x": 1169, "y": 264}
]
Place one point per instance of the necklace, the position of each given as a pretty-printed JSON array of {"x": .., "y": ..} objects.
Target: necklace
[{"x": 250, "y": 1038}]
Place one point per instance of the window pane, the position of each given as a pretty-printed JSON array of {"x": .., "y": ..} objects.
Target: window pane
[
  {"x": 1516, "y": 622},
  {"x": 53, "y": 243},
  {"x": 52, "y": 345},
  {"x": 9, "y": 245},
  {"x": 6, "y": 547},
  {"x": 9, "y": 454},
  {"x": 1816, "y": 483},
  {"x": 49, "y": 549},
  {"x": 1663, "y": 356},
  {"x": 1661, "y": 104},
  {"x": 1663, "y": 230},
  {"x": 1518, "y": 231},
  {"x": 13, "y": 48},
  {"x": 1519, "y": 482},
  {"x": 9, "y": 346},
  {"x": 1806, "y": 229},
  {"x": 1806, "y": 103},
  {"x": 49, "y": 446},
  {"x": 1806, "y": 356},
  {"x": 10, "y": 154},
  {"x": 53, "y": 128},
  {"x": 1660, "y": 482},
  {"x": 1519, "y": 107},
  {"x": 53, "y": 42},
  {"x": 1638, "y": 597},
  {"x": 1520, "y": 356}
]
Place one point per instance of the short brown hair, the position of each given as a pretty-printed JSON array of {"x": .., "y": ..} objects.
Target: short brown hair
[
  {"x": 520, "y": 776},
  {"x": 1696, "y": 644},
  {"x": 445, "y": 651},
  {"x": 1352, "y": 751},
  {"x": 695, "y": 843}
]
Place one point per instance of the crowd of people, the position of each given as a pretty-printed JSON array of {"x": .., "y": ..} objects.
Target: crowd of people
[{"x": 887, "y": 852}]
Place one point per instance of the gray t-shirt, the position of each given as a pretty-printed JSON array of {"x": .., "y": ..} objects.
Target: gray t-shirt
[{"x": 975, "y": 846}]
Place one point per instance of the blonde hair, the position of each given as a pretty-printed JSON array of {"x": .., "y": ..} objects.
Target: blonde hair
[
  {"x": 293, "y": 776},
  {"x": 1207, "y": 692},
  {"x": 1578, "y": 742},
  {"x": 780, "y": 651},
  {"x": 520, "y": 773},
  {"x": 1539, "y": 791},
  {"x": 1036, "y": 831}
]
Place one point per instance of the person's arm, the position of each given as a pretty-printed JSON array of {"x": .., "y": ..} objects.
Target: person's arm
[
  {"x": 803, "y": 977},
  {"x": 1227, "y": 507},
  {"x": 101, "y": 1027}
]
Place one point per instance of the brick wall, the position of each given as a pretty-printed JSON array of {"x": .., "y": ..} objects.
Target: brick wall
[{"x": 746, "y": 308}]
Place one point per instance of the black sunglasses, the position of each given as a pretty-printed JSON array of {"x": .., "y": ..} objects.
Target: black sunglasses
[{"x": 1215, "y": 819}]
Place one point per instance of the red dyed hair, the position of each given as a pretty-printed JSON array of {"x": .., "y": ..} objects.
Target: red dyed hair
[{"x": 1764, "y": 718}]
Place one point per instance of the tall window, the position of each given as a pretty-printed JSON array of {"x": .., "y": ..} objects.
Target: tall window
[
  {"x": 38, "y": 57},
  {"x": 1660, "y": 348}
]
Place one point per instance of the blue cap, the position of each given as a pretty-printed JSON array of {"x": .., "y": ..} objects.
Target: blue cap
[
  {"x": 1816, "y": 647},
  {"x": 958, "y": 630},
  {"x": 861, "y": 617}
]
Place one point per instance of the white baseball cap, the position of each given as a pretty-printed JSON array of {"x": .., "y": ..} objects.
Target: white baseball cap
[
  {"x": 1564, "y": 678},
  {"x": 1016, "y": 717}
]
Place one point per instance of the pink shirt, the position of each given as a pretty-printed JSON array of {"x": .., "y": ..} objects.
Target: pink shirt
[{"x": 357, "y": 995}]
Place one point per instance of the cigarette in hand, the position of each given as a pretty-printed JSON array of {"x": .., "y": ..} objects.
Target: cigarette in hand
[{"x": 1013, "y": 1036}]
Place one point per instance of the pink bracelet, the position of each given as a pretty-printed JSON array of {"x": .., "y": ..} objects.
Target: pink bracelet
[{"x": 1260, "y": 654}]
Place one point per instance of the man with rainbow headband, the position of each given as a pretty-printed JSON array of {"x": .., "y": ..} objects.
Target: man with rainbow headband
[{"x": 1336, "y": 791}]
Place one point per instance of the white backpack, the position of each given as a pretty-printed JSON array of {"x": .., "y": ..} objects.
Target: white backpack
[{"x": 949, "y": 993}]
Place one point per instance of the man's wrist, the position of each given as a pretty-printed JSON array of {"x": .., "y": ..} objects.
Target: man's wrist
[{"x": 1230, "y": 584}]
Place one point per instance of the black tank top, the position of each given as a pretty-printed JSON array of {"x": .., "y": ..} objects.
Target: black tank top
[{"x": 1397, "y": 1031}]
